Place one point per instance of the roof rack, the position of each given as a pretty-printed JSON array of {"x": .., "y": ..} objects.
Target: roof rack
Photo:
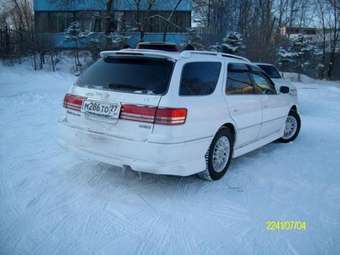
[
  {"x": 189, "y": 53},
  {"x": 235, "y": 56}
]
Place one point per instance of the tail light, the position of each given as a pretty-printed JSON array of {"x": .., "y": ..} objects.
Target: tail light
[
  {"x": 73, "y": 102},
  {"x": 170, "y": 116},
  {"x": 138, "y": 113},
  {"x": 151, "y": 114}
]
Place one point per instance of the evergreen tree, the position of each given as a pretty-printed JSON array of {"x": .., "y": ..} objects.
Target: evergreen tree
[
  {"x": 74, "y": 34},
  {"x": 232, "y": 43},
  {"x": 298, "y": 54}
]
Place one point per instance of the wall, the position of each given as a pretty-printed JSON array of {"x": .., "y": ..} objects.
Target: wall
[
  {"x": 59, "y": 41},
  {"x": 54, "y": 22},
  {"x": 78, "y": 5}
]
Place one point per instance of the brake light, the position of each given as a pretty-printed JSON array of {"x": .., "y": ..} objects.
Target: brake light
[
  {"x": 170, "y": 116},
  {"x": 151, "y": 114},
  {"x": 73, "y": 102},
  {"x": 139, "y": 113}
]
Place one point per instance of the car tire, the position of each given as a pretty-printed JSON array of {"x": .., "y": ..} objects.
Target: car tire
[
  {"x": 293, "y": 130},
  {"x": 219, "y": 155}
]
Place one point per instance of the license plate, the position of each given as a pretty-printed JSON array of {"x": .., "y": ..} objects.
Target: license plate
[{"x": 108, "y": 110}]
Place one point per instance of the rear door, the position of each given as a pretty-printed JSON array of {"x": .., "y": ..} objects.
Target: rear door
[
  {"x": 243, "y": 104},
  {"x": 196, "y": 86},
  {"x": 126, "y": 82},
  {"x": 274, "y": 105}
]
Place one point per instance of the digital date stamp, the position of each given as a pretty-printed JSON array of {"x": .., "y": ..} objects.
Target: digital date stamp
[{"x": 276, "y": 225}]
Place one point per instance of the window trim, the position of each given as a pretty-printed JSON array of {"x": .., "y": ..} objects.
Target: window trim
[
  {"x": 267, "y": 77},
  {"x": 180, "y": 80},
  {"x": 273, "y": 66},
  {"x": 250, "y": 71},
  {"x": 249, "y": 76}
]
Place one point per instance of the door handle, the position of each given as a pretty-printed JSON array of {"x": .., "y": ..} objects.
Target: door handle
[
  {"x": 235, "y": 110},
  {"x": 266, "y": 106}
]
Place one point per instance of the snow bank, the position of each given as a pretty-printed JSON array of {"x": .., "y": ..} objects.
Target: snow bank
[{"x": 294, "y": 77}]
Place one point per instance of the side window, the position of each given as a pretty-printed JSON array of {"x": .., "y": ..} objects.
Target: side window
[
  {"x": 199, "y": 78},
  {"x": 239, "y": 82},
  {"x": 262, "y": 84}
]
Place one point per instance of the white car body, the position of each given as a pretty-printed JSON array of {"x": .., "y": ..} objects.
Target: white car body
[{"x": 175, "y": 149}]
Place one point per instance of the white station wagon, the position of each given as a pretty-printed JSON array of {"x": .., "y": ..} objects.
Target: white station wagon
[{"x": 175, "y": 113}]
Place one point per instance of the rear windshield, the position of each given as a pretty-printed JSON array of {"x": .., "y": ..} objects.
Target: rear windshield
[
  {"x": 271, "y": 71},
  {"x": 129, "y": 74}
]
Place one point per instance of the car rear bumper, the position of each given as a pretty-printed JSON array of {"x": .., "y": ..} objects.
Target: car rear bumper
[{"x": 180, "y": 159}]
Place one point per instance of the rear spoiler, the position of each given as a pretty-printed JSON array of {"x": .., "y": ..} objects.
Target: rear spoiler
[{"x": 136, "y": 53}]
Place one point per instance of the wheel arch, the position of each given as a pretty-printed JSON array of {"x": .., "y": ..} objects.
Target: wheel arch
[
  {"x": 232, "y": 128},
  {"x": 293, "y": 108}
]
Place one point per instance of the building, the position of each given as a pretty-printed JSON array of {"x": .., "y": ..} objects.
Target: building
[
  {"x": 286, "y": 31},
  {"x": 316, "y": 36},
  {"x": 53, "y": 17}
]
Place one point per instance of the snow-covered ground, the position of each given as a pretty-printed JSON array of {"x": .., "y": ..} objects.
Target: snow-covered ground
[{"x": 52, "y": 202}]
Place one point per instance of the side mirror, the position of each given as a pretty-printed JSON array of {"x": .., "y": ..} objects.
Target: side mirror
[{"x": 284, "y": 89}]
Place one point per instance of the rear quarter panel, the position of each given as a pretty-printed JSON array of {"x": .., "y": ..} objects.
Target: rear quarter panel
[{"x": 206, "y": 114}]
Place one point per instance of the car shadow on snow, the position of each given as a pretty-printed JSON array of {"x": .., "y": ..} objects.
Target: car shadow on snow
[
  {"x": 107, "y": 179},
  {"x": 117, "y": 175}
]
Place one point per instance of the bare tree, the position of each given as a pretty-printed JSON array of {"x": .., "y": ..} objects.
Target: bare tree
[
  {"x": 17, "y": 23},
  {"x": 108, "y": 23},
  {"x": 169, "y": 19},
  {"x": 320, "y": 6},
  {"x": 20, "y": 14},
  {"x": 334, "y": 24},
  {"x": 142, "y": 17},
  {"x": 328, "y": 18}
]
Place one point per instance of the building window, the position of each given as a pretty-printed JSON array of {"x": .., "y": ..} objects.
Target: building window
[
  {"x": 155, "y": 21},
  {"x": 57, "y": 22}
]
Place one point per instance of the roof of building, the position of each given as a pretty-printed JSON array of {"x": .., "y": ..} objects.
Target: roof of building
[
  {"x": 99, "y": 5},
  {"x": 301, "y": 30}
]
